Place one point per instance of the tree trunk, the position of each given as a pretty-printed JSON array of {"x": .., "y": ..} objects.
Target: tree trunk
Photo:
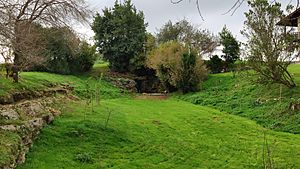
[
  {"x": 15, "y": 68},
  {"x": 15, "y": 73},
  {"x": 7, "y": 69}
]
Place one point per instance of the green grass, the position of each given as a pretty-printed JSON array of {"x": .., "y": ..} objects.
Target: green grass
[
  {"x": 8, "y": 144},
  {"x": 39, "y": 80},
  {"x": 295, "y": 70},
  {"x": 157, "y": 134},
  {"x": 260, "y": 103},
  {"x": 33, "y": 81},
  {"x": 169, "y": 133}
]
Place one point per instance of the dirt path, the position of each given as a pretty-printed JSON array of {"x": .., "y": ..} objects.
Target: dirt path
[{"x": 152, "y": 96}]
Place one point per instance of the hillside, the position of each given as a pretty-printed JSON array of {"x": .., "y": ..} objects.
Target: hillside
[
  {"x": 36, "y": 98},
  {"x": 268, "y": 105},
  {"x": 157, "y": 134}
]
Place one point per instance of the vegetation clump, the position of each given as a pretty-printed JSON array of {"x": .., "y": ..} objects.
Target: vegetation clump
[
  {"x": 177, "y": 66},
  {"x": 65, "y": 53},
  {"x": 185, "y": 32}
]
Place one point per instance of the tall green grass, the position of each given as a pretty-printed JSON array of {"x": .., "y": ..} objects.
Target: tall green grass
[{"x": 268, "y": 105}]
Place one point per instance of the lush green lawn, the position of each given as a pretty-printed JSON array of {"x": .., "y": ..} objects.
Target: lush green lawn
[
  {"x": 260, "y": 103},
  {"x": 157, "y": 134},
  {"x": 40, "y": 80},
  {"x": 165, "y": 134}
]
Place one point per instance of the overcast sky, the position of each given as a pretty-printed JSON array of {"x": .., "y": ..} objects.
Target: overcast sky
[{"x": 158, "y": 12}]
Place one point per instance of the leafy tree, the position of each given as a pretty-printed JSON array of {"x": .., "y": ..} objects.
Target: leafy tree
[
  {"x": 177, "y": 67},
  {"x": 84, "y": 59},
  {"x": 183, "y": 31},
  {"x": 231, "y": 46},
  {"x": 215, "y": 64},
  {"x": 61, "y": 45},
  {"x": 169, "y": 32},
  {"x": 271, "y": 47},
  {"x": 120, "y": 36},
  {"x": 150, "y": 43}
]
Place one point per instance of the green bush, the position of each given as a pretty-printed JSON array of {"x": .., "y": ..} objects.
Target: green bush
[
  {"x": 84, "y": 59},
  {"x": 215, "y": 64},
  {"x": 65, "y": 53},
  {"x": 177, "y": 67}
]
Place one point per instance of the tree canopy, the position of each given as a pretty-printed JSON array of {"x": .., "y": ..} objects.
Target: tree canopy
[
  {"x": 183, "y": 31},
  {"x": 120, "y": 35},
  {"x": 231, "y": 47},
  {"x": 65, "y": 53}
]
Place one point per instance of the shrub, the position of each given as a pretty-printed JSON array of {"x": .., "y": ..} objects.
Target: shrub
[
  {"x": 65, "y": 53},
  {"x": 215, "y": 64},
  {"x": 177, "y": 67},
  {"x": 84, "y": 59}
]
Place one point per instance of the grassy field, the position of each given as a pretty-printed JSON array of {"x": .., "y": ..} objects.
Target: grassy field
[
  {"x": 267, "y": 105},
  {"x": 132, "y": 133},
  {"x": 157, "y": 134}
]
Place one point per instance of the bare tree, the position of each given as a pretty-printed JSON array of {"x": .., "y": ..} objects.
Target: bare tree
[{"x": 19, "y": 25}]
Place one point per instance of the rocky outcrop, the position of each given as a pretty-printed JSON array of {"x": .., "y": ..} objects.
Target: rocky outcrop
[
  {"x": 124, "y": 83},
  {"x": 9, "y": 114},
  {"x": 26, "y": 118}
]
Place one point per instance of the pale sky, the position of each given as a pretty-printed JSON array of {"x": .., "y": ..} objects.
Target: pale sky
[{"x": 158, "y": 12}]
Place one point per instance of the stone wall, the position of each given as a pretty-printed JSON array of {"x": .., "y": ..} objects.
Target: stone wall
[{"x": 26, "y": 118}]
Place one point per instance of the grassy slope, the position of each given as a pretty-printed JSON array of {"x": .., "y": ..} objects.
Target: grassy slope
[
  {"x": 157, "y": 134},
  {"x": 165, "y": 134},
  {"x": 260, "y": 103},
  {"x": 39, "y": 81}
]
